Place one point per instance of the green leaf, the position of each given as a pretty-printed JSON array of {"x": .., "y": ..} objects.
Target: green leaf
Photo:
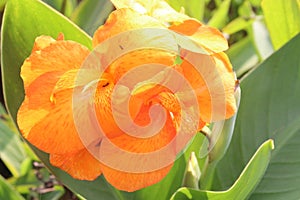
[
  {"x": 12, "y": 151},
  {"x": 243, "y": 56},
  {"x": 220, "y": 17},
  {"x": 193, "y": 8},
  {"x": 90, "y": 14},
  {"x": 236, "y": 25},
  {"x": 269, "y": 109},
  {"x": 243, "y": 186},
  {"x": 282, "y": 19},
  {"x": 56, "y": 194},
  {"x": 7, "y": 191},
  {"x": 66, "y": 7},
  {"x": 2, "y": 4},
  {"x": 18, "y": 35}
]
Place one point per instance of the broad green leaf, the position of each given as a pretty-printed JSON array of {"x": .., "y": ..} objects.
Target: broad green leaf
[
  {"x": 90, "y": 14},
  {"x": 243, "y": 56},
  {"x": 243, "y": 186},
  {"x": 12, "y": 150},
  {"x": 16, "y": 45},
  {"x": 7, "y": 191},
  {"x": 269, "y": 109},
  {"x": 220, "y": 17},
  {"x": 2, "y": 4},
  {"x": 66, "y": 7},
  {"x": 18, "y": 35},
  {"x": 193, "y": 8},
  {"x": 236, "y": 25},
  {"x": 282, "y": 19}
]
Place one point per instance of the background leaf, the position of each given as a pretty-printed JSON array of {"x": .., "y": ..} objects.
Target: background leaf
[
  {"x": 243, "y": 186},
  {"x": 65, "y": 7},
  {"x": 220, "y": 17},
  {"x": 90, "y": 14},
  {"x": 243, "y": 56},
  {"x": 193, "y": 8},
  {"x": 282, "y": 19},
  {"x": 12, "y": 152},
  {"x": 269, "y": 109},
  {"x": 7, "y": 191}
]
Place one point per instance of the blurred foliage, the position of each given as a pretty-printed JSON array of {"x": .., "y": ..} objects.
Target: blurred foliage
[{"x": 254, "y": 29}]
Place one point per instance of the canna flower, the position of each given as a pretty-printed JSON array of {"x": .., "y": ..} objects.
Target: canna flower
[{"x": 49, "y": 115}]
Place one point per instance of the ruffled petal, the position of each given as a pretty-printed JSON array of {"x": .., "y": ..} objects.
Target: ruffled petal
[
  {"x": 213, "y": 81},
  {"x": 49, "y": 55},
  {"x": 123, "y": 20},
  {"x": 158, "y": 9},
  {"x": 209, "y": 38},
  {"x": 46, "y": 120},
  {"x": 56, "y": 132},
  {"x": 133, "y": 181},
  {"x": 80, "y": 164}
]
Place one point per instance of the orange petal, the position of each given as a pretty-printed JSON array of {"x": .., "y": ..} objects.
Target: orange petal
[
  {"x": 123, "y": 20},
  {"x": 213, "y": 81},
  {"x": 229, "y": 81},
  {"x": 138, "y": 58},
  {"x": 56, "y": 132},
  {"x": 49, "y": 55},
  {"x": 80, "y": 164},
  {"x": 133, "y": 181},
  {"x": 158, "y": 9},
  {"x": 144, "y": 144},
  {"x": 209, "y": 38}
]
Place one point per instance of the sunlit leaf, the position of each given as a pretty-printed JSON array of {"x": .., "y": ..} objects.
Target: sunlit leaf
[
  {"x": 193, "y": 8},
  {"x": 236, "y": 25},
  {"x": 7, "y": 191},
  {"x": 282, "y": 19},
  {"x": 220, "y": 17}
]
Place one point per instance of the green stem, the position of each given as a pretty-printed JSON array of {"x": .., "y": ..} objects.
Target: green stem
[{"x": 207, "y": 175}]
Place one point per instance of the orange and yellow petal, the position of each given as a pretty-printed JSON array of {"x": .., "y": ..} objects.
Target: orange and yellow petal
[
  {"x": 49, "y": 55},
  {"x": 56, "y": 132},
  {"x": 123, "y": 20},
  {"x": 210, "y": 38},
  {"x": 79, "y": 164},
  {"x": 157, "y": 9},
  {"x": 213, "y": 81},
  {"x": 45, "y": 121}
]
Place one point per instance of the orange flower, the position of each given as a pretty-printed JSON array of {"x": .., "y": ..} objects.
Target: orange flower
[{"x": 66, "y": 103}]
